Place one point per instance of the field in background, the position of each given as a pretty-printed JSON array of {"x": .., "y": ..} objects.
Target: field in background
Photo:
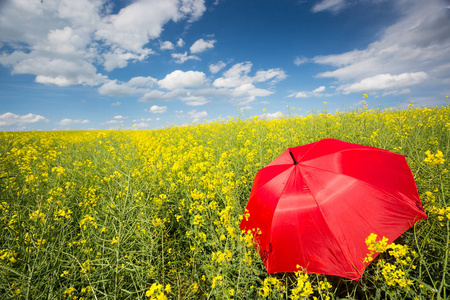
[{"x": 155, "y": 214}]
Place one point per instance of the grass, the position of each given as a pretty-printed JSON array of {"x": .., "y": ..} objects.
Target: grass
[{"x": 156, "y": 214}]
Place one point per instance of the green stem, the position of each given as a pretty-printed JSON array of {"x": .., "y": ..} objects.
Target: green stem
[
  {"x": 444, "y": 269},
  {"x": 419, "y": 249},
  {"x": 162, "y": 254},
  {"x": 81, "y": 266}
]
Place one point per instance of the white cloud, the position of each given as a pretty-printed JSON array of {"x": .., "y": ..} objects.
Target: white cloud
[
  {"x": 385, "y": 82},
  {"x": 195, "y": 100},
  {"x": 271, "y": 74},
  {"x": 331, "y": 5},
  {"x": 235, "y": 85},
  {"x": 242, "y": 100},
  {"x": 305, "y": 94},
  {"x": 228, "y": 82},
  {"x": 110, "y": 122},
  {"x": 235, "y": 76},
  {"x": 239, "y": 70},
  {"x": 319, "y": 89},
  {"x": 299, "y": 95},
  {"x": 201, "y": 45},
  {"x": 157, "y": 109},
  {"x": 299, "y": 60},
  {"x": 143, "y": 120},
  {"x": 142, "y": 81},
  {"x": 118, "y": 103},
  {"x": 181, "y": 58},
  {"x": 112, "y": 88},
  {"x": 119, "y": 58},
  {"x": 154, "y": 95},
  {"x": 65, "y": 41},
  {"x": 50, "y": 70},
  {"x": 65, "y": 122},
  {"x": 180, "y": 79},
  {"x": 194, "y": 8},
  {"x": 142, "y": 20},
  {"x": 10, "y": 119},
  {"x": 250, "y": 89},
  {"x": 136, "y": 85},
  {"x": 196, "y": 115},
  {"x": 132, "y": 27},
  {"x": 119, "y": 117},
  {"x": 180, "y": 42},
  {"x": 141, "y": 125},
  {"x": 276, "y": 115},
  {"x": 397, "y": 92},
  {"x": 166, "y": 45},
  {"x": 418, "y": 43},
  {"x": 215, "y": 68}
]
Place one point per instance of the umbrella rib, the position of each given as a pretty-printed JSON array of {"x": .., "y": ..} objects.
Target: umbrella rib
[{"x": 307, "y": 151}]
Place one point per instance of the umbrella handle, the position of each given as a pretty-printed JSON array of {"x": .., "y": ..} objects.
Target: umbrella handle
[{"x": 292, "y": 155}]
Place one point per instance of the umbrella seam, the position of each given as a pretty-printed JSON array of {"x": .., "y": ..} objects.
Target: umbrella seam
[
  {"x": 275, "y": 209},
  {"x": 260, "y": 187},
  {"x": 369, "y": 184},
  {"x": 347, "y": 150},
  {"x": 315, "y": 144},
  {"x": 328, "y": 226}
]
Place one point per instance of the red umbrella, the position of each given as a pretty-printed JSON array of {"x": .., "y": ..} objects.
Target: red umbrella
[{"x": 316, "y": 204}]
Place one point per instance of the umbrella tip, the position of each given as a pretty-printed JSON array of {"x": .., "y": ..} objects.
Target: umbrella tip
[{"x": 292, "y": 156}]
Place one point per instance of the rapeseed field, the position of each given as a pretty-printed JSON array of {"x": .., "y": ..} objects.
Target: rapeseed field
[{"x": 155, "y": 214}]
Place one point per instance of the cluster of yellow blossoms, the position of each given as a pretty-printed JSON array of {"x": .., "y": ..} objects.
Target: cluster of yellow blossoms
[
  {"x": 158, "y": 292},
  {"x": 394, "y": 274},
  {"x": 272, "y": 285},
  {"x": 303, "y": 288},
  {"x": 434, "y": 159}
]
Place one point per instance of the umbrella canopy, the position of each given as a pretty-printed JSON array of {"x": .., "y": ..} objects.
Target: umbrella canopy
[{"x": 316, "y": 204}]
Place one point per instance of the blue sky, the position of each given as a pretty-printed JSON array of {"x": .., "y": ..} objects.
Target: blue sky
[{"x": 146, "y": 64}]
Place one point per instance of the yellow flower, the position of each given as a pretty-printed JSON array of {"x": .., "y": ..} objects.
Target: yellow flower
[
  {"x": 156, "y": 292},
  {"x": 217, "y": 280},
  {"x": 64, "y": 273},
  {"x": 115, "y": 240},
  {"x": 36, "y": 215},
  {"x": 434, "y": 159},
  {"x": 70, "y": 290}
]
